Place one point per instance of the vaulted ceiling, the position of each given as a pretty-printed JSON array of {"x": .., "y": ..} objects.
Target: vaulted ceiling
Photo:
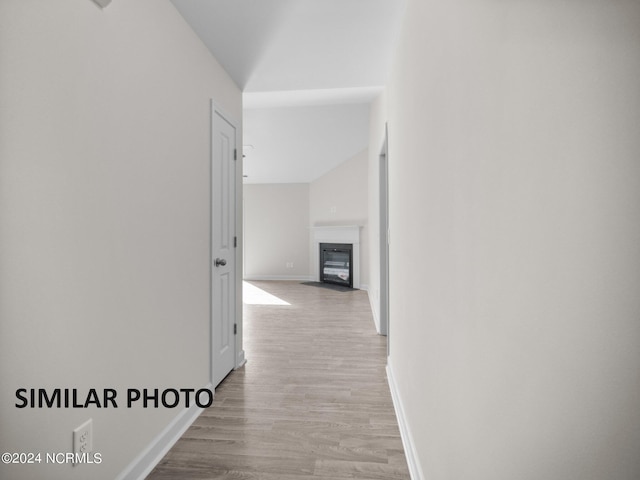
[{"x": 308, "y": 70}]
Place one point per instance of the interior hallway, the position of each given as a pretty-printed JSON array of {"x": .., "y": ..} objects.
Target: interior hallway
[{"x": 312, "y": 402}]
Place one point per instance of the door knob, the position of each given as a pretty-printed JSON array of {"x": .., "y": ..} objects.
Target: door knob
[{"x": 220, "y": 262}]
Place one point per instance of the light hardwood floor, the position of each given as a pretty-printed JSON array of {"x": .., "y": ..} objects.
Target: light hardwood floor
[{"x": 311, "y": 403}]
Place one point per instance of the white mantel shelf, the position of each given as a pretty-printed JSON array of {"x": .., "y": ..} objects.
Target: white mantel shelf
[{"x": 336, "y": 234}]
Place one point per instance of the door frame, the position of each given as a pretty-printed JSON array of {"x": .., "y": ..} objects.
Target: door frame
[
  {"x": 236, "y": 210},
  {"x": 384, "y": 236}
]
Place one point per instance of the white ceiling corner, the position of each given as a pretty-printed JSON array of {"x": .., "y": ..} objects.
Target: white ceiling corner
[{"x": 308, "y": 67}]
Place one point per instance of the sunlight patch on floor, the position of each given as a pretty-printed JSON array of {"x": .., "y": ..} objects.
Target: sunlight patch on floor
[{"x": 253, "y": 295}]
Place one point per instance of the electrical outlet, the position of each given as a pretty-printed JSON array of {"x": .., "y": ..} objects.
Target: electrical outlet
[
  {"x": 83, "y": 438},
  {"x": 289, "y": 264}
]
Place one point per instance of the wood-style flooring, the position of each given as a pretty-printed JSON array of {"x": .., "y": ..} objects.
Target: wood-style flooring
[{"x": 311, "y": 403}]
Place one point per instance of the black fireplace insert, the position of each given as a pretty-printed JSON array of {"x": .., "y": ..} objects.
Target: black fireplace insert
[{"x": 336, "y": 263}]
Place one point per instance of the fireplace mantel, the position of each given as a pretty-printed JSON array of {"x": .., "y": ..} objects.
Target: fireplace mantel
[{"x": 336, "y": 234}]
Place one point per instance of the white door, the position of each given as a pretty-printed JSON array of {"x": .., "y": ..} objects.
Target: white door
[{"x": 223, "y": 232}]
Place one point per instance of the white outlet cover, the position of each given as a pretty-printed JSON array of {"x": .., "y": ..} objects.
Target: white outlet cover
[{"x": 83, "y": 438}]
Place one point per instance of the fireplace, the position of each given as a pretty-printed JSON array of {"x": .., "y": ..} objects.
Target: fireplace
[
  {"x": 340, "y": 234},
  {"x": 336, "y": 263}
]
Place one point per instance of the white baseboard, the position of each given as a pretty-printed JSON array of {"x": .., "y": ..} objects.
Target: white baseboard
[
  {"x": 415, "y": 470},
  {"x": 302, "y": 278},
  {"x": 142, "y": 465}
]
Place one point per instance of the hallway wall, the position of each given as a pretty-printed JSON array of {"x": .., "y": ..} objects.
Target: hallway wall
[
  {"x": 515, "y": 240},
  {"x": 104, "y": 219}
]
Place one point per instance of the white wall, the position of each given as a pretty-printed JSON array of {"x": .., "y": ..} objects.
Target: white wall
[
  {"x": 276, "y": 231},
  {"x": 340, "y": 197},
  {"x": 104, "y": 208},
  {"x": 515, "y": 241},
  {"x": 299, "y": 144}
]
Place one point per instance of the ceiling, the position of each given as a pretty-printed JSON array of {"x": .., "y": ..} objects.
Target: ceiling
[{"x": 308, "y": 70}]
